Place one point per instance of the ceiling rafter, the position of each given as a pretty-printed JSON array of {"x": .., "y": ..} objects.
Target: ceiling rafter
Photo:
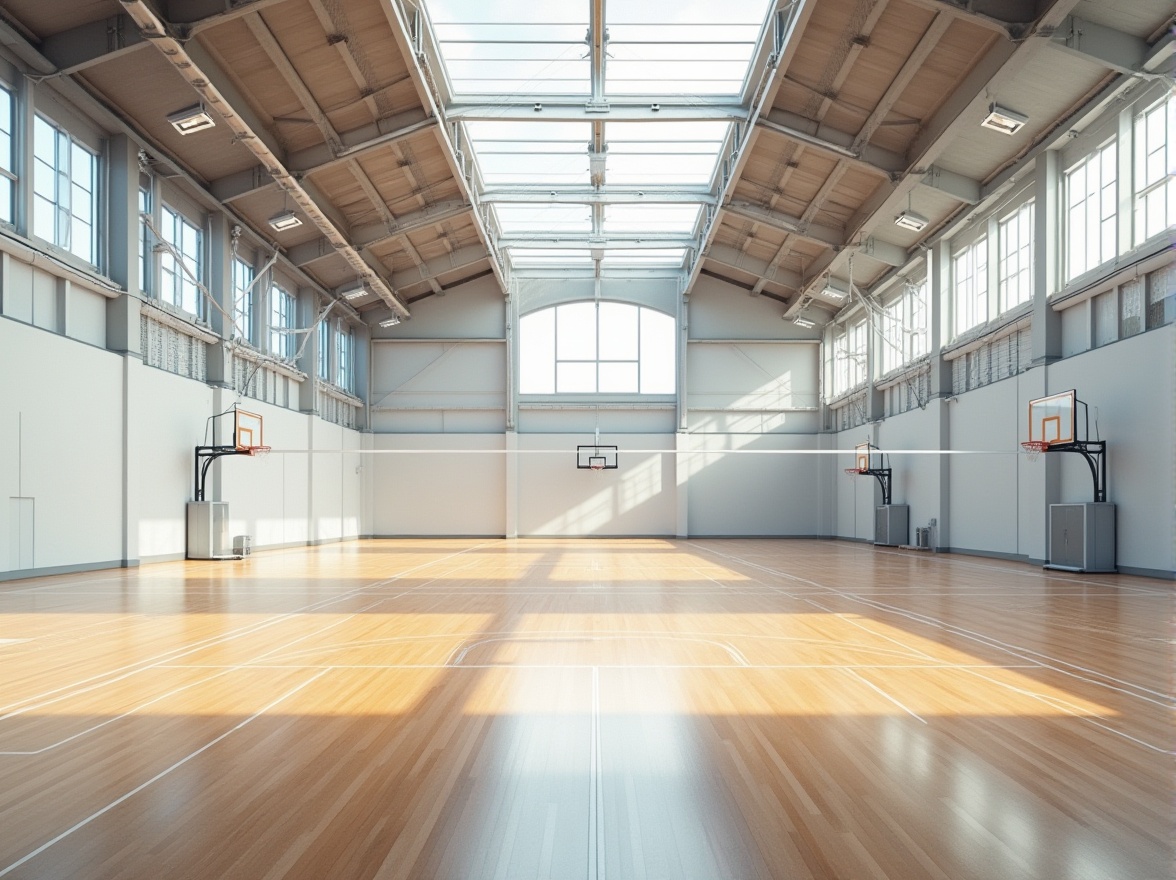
[{"x": 204, "y": 75}]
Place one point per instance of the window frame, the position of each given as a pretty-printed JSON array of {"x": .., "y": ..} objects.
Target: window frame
[
  {"x": 1107, "y": 225},
  {"x": 8, "y": 166},
  {"x": 244, "y": 275},
  {"x": 646, "y": 320},
  {"x": 283, "y": 309},
  {"x": 1024, "y": 255},
  {"x": 323, "y": 367},
  {"x": 66, "y": 147},
  {"x": 1163, "y": 187},
  {"x": 969, "y": 291},
  {"x": 176, "y": 287},
  {"x": 345, "y": 357}
]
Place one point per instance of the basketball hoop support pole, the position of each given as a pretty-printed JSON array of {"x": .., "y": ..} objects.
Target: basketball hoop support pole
[
  {"x": 205, "y": 456},
  {"x": 1095, "y": 453},
  {"x": 882, "y": 475}
]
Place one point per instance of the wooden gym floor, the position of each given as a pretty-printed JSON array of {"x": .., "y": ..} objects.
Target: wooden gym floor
[{"x": 586, "y": 709}]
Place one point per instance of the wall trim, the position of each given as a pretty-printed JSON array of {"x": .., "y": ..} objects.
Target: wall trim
[{"x": 22, "y": 574}]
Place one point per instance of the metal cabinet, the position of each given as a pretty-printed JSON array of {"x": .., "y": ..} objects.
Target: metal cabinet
[
  {"x": 1082, "y": 537},
  {"x": 892, "y": 524},
  {"x": 208, "y": 529}
]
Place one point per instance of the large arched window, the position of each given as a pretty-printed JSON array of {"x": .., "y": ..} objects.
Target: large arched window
[{"x": 597, "y": 348}]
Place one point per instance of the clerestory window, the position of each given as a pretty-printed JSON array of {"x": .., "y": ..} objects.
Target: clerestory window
[{"x": 597, "y": 348}]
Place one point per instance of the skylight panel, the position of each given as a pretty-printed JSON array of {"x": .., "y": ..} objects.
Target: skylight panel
[
  {"x": 498, "y": 49},
  {"x": 672, "y": 47},
  {"x": 525, "y": 219},
  {"x": 527, "y": 153},
  {"x": 649, "y": 258},
  {"x": 663, "y": 152},
  {"x": 640, "y": 218},
  {"x": 549, "y": 258}
]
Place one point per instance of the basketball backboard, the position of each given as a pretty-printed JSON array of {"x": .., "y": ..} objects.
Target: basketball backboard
[
  {"x": 596, "y": 457},
  {"x": 866, "y": 457},
  {"x": 247, "y": 431},
  {"x": 1053, "y": 419}
]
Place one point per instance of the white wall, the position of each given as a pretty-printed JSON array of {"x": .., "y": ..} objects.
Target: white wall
[
  {"x": 557, "y": 498},
  {"x": 61, "y": 444}
]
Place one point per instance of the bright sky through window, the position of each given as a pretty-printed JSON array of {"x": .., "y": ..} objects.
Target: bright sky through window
[{"x": 513, "y": 53}]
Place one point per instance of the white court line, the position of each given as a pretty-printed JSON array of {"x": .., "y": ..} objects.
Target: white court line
[
  {"x": 595, "y": 778},
  {"x": 1011, "y": 569},
  {"x": 989, "y": 641},
  {"x": 875, "y": 687},
  {"x": 1071, "y": 709},
  {"x": 134, "y": 791},
  {"x": 565, "y": 637},
  {"x": 183, "y": 651},
  {"x": 252, "y": 663},
  {"x": 724, "y": 666},
  {"x": 129, "y": 712}
]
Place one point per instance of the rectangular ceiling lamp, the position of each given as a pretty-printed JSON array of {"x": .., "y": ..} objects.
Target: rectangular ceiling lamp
[
  {"x": 356, "y": 291},
  {"x": 285, "y": 220},
  {"x": 390, "y": 322},
  {"x": 833, "y": 292},
  {"x": 912, "y": 221},
  {"x": 191, "y": 119},
  {"x": 1004, "y": 120},
  {"x": 803, "y": 322}
]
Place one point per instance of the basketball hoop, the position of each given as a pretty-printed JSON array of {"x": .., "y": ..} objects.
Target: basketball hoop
[
  {"x": 853, "y": 471},
  {"x": 256, "y": 450},
  {"x": 597, "y": 466},
  {"x": 1034, "y": 448}
]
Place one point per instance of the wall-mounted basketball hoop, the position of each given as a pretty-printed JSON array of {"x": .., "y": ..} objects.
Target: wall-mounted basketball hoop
[
  {"x": 868, "y": 461},
  {"x": 1054, "y": 426},
  {"x": 597, "y": 458},
  {"x": 247, "y": 440}
]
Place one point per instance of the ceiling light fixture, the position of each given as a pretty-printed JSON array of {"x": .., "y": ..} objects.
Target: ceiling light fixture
[
  {"x": 191, "y": 119},
  {"x": 391, "y": 321},
  {"x": 284, "y": 221},
  {"x": 1003, "y": 119},
  {"x": 356, "y": 291},
  {"x": 800, "y": 321},
  {"x": 833, "y": 292},
  {"x": 910, "y": 220}
]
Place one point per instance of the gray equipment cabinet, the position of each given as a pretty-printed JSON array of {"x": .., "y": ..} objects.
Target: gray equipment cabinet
[
  {"x": 208, "y": 529},
  {"x": 1082, "y": 537},
  {"x": 892, "y": 524}
]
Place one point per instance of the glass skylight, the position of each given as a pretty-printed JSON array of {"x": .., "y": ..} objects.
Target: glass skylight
[
  {"x": 499, "y": 49},
  {"x": 660, "y": 51},
  {"x": 681, "y": 47}
]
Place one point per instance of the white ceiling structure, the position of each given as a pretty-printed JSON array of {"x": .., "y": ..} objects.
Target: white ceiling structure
[{"x": 770, "y": 144}]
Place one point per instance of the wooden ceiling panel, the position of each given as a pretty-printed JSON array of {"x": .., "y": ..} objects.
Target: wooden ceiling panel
[
  {"x": 246, "y": 64},
  {"x": 147, "y": 88},
  {"x": 954, "y": 57},
  {"x": 318, "y": 63}
]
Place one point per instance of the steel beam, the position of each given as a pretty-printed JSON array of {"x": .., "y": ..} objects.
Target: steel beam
[
  {"x": 1103, "y": 45},
  {"x": 815, "y": 232},
  {"x": 961, "y": 188},
  {"x": 463, "y": 258},
  {"x": 884, "y": 251},
  {"x": 628, "y": 241},
  {"x": 243, "y": 183},
  {"x": 608, "y": 195},
  {"x": 204, "y": 75},
  {"x": 81, "y": 47},
  {"x": 545, "y": 108},
  {"x": 368, "y": 235},
  {"x": 736, "y": 259},
  {"x": 835, "y": 143}
]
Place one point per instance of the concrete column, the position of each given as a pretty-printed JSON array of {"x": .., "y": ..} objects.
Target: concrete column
[
  {"x": 1047, "y": 267},
  {"x": 511, "y": 439},
  {"x": 308, "y": 309},
  {"x": 220, "y": 287},
  {"x": 682, "y": 488},
  {"x": 122, "y": 238}
]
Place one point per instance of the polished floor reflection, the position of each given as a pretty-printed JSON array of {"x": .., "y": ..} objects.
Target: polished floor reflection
[{"x": 634, "y": 708}]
